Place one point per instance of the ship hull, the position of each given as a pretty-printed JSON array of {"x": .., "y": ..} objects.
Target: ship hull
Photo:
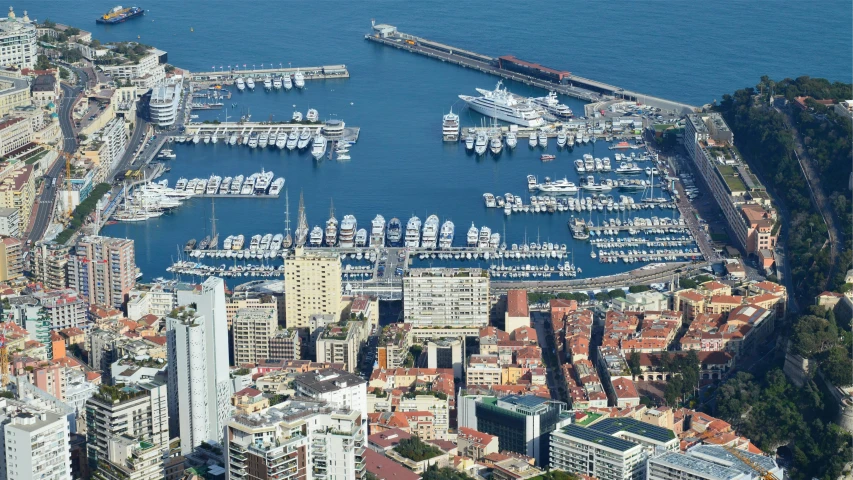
[{"x": 120, "y": 20}]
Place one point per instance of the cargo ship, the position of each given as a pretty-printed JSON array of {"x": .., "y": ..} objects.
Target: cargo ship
[{"x": 120, "y": 14}]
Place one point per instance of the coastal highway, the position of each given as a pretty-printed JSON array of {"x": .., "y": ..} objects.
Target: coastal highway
[{"x": 47, "y": 196}]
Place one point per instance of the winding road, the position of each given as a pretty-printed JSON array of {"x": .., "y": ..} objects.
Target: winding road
[{"x": 46, "y": 198}]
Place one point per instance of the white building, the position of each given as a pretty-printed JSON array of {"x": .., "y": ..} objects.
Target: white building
[
  {"x": 34, "y": 443},
  {"x": 145, "y": 74},
  {"x": 114, "y": 134},
  {"x": 580, "y": 450},
  {"x": 336, "y": 387},
  {"x": 10, "y": 223},
  {"x": 128, "y": 428},
  {"x": 340, "y": 343},
  {"x": 17, "y": 41},
  {"x": 710, "y": 462},
  {"x": 446, "y": 297},
  {"x": 165, "y": 100},
  {"x": 309, "y": 439},
  {"x": 157, "y": 299},
  {"x": 198, "y": 365}
]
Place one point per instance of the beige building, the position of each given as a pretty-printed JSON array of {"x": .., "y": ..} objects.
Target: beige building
[
  {"x": 14, "y": 92},
  {"x": 483, "y": 370},
  {"x": 15, "y": 132},
  {"x": 17, "y": 190},
  {"x": 312, "y": 284},
  {"x": 253, "y": 328},
  {"x": 446, "y": 297},
  {"x": 10, "y": 222},
  {"x": 236, "y": 304},
  {"x": 340, "y": 343},
  {"x": 11, "y": 259}
]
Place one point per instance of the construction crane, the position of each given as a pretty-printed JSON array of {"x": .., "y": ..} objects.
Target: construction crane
[
  {"x": 765, "y": 474},
  {"x": 4, "y": 357}
]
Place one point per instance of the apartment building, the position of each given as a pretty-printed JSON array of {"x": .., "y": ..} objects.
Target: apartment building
[
  {"x": 742, "y": 198},
  {"x": 584, "y": 451},
  {"x": 252, "y": 330},
  {"x": 312, "y": 284},
  {"x": 126, "y": 421},
  {"x": 341, "y": 343},
  {"x": 393, "y": 345},
  {"x": 17, "y": 190},
  {"x": 11, "y": 259},
  {"x": 49, "y": 264},
  {"x": 35, "y": 443},
  {"x": 446, "y": 297},
  {"x": 102, "y": 269},
  {"x": 300, "y": 439},
  {"x": 337, "y": 387}
]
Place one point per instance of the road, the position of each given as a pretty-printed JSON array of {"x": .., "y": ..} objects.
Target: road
[
  {"x": 541, "y": 322},
  {"x": 47, "y": 196}
]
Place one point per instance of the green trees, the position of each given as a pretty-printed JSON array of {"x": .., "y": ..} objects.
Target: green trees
[
  {"x": 772, "y": 412},
  {"x": 415, "y": 449},
  {"x": 446, "y": 473},
  {"x": 813, "y": 335},
  {"x": 634, "y": 362},
  {"x": 639, "y": 288},
  {"x": 43, "y": 63},
  {"x": 766, "y": 140}
]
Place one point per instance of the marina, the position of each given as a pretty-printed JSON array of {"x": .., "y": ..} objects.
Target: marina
[{"x": 271, "y": 134}]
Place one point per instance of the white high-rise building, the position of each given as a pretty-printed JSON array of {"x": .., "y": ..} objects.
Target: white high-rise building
[
  {"x": 18, "y": 40},
  {"x": 446, "y": 297},
  {"x": 198, "y": 365},
  {"x": 34, "y": 443}
]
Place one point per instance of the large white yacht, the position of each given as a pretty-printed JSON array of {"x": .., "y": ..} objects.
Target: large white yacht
[
  {"x": 316, "y": 236},
  {"x": 485, "y": 237},
  {"x": 450, "y": 127},
  {"x": 445, "y": 240},
  {"x": 377, "y": 232},
  {"x": 250, "y": 83},
  {"x": 319, "y": 147},
  {"x": 299, "y": 79},
  {"x": 348, "y": 228},
  {"x": 502, "y": 105},
  {"x": 304, "y": 138},
  {"x": 430, "y": 235},
  {"x": 413, "y": 232},
  {"x": 553, "y": 106},
  {"x": 241, "y": 85},
  {"x": 473, "y": 236},
  {"x": 292, "y": 139}
]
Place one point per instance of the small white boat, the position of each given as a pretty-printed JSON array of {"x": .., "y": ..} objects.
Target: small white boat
[{"x": 312, "y": 116}]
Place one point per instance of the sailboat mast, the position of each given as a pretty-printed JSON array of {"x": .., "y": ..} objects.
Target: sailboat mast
[{"x": 286, "y": 213}]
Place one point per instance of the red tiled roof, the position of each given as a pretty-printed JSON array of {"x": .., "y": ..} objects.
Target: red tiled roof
[
  {"x": 386, "y": 469},
  {"x": 516, "y": 303}
]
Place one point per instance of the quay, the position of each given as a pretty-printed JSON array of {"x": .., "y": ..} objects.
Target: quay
[
  {"x": 333, "y": 130},
  {"x": 512, "y": 68},
  {"x": 228, "y": 195},
  {"x": 325, "y": 72}
]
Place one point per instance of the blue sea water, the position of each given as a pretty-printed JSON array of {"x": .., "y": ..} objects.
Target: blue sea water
[{"x": 686, "y": 51}]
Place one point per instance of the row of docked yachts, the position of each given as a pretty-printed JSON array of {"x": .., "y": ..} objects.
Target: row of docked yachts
[
  {"x": 298, "y": 138},
  {"x": 260, "y": 183},
  {"x": 510, "y": 203},
  {"x": 272, "y": 82}
]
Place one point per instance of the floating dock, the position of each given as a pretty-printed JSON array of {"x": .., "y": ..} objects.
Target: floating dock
[
  {"x": 309, "y": 73},
  {"x": 512, "y": 68}
]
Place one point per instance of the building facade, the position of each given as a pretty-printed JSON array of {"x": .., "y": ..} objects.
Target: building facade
[
  {"x": 312, "y": 284},
  {"x": 446, "y": 297},
  {"x": 11, "y": 259},
  {"x": 18, "y": 41},
  {"x": 102, "y": 269},
  {"x": 252, "y": 331},
  {"x": 35, "y": 443},
  {"x": 197, "y": 342}
]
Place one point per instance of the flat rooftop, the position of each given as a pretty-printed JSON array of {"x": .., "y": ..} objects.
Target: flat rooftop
[
  {"x": 695, "y": 465},
  {"x": 599, "y": 438},
  {"x": 612, "y": 426}
]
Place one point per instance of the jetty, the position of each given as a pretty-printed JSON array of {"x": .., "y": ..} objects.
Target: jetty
[
  {"x": 333, "y": 130},
  {"x": 230, "y": 75},
  {"x": 511, "y": 68}
]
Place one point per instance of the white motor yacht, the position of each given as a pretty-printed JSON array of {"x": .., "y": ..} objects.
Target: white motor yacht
[
  {"x": 299, "y": 79},
  {"x": 287, "y": 83},
  {"x": 241, "y": 85},
  {"x": 511, "y": 140},
  {"x": 276, "y": 83},
  {"x": 297, "y": 116},
  {"x": 312, "y": 116},
  {"x": 318, "y": 149},
  {"x": 532, "y": 140},
  {"x": 473, "y": 236},
  {"x": 413, "y": 232},
  {"x": 377, "y": 232},
  {"x": 445, "y": 240},
  {"x": 250, "y": 83},
  {"x": 268, "y": 83},
  {"x": 304, "y": 139},
  {"x": 292, "y": 139}
]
